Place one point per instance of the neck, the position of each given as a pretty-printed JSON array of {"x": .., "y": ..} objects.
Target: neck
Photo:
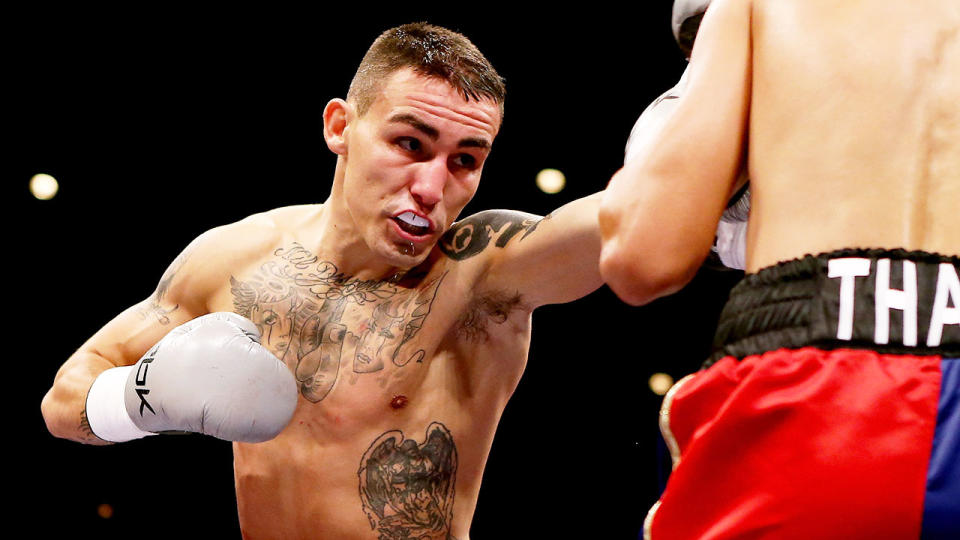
[{"x": 341, "y": 243}]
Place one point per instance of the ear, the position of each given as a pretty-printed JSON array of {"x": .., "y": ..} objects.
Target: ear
[{"x": 336, "y": 117}]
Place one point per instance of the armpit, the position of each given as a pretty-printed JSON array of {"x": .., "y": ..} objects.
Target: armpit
[{"x": 495, "y": 308}]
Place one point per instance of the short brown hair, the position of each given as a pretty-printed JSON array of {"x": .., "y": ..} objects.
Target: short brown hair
[{"x": 429, "y": 50}]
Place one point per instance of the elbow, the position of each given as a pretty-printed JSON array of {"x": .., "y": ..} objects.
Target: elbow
[
  {"x": 644, "y": 254},
  {"x": 58, "y": 416},
  {"x": 638, "y": 278},
  {"x": 635, "y": 264},
  {"x": 48, "y": 409}
]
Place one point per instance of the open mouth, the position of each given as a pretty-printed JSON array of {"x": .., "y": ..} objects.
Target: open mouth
[{"x": 413, "y": 224}]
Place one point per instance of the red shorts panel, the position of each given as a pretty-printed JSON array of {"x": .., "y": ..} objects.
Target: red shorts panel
[{"x": 800, "y": 444}]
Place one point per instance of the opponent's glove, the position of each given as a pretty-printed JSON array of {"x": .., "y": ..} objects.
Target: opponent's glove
[
  {"x": 209, "y": 375},
  {"x": 731, "y": 244},
  {"x": 687, "y": 15}
]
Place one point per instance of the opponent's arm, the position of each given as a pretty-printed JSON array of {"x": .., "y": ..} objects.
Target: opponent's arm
[
  {"x": 660, "y": 212},
  {"x": 545, "y": 260}
]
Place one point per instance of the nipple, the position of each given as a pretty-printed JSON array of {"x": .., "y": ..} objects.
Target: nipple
[{"x": 398, "y": 402}]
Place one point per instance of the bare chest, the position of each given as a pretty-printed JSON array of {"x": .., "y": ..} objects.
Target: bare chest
[
  {"x": 328, "y": 327},
  {"x": 398, "y": 379}
]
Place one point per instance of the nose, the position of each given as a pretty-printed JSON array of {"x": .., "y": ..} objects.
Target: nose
[{"x": 429, "y": 181}]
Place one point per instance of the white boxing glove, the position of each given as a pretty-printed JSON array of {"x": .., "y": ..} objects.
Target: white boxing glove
[
  {"x": 209, "y": 375},
  {"x": 731, "y": 244}
]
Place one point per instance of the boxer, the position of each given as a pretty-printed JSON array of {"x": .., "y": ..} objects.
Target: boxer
[
  {"x": 831, "y": 406},
  {"x": 358, "y": 352}
]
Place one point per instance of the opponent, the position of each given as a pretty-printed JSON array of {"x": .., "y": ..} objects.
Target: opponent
[
  {"x": 729, "y": 249},
  {"x": 369, "y": 343},
  {"x": 831, "y": 407}
]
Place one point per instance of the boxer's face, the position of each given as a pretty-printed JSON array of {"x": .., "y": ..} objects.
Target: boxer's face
[{"x": 413, "y": 161}]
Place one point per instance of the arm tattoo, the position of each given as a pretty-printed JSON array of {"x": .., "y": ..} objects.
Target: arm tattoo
[
  {"x": 87, "y": 434},
  {"x": 406, "y": 489},
  {"x": 473, "y": 234},
  {"x": 85, "y": 425},
  {"x": 298, "y": 303},
  {"x": 152, "y": 305}
]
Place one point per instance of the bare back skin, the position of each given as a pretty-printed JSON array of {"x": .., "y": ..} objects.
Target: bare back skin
[
  {"x": 854, "y": 127},
  {"x": 846, "y": 117}
]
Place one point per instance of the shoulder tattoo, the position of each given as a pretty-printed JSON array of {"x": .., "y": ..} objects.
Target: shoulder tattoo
[
  {"x": 474, "y": 234},
  {"x": 152, "y": 306}
]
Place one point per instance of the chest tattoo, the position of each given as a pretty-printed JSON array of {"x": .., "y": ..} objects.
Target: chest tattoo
[
  {"x": 406, "y": 488},
  {"x": 314, "y": 317}
]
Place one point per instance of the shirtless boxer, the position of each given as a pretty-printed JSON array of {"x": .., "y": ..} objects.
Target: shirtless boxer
[
  {"x": 401, "y": 333},
  {"x": 831, "y": 407}
]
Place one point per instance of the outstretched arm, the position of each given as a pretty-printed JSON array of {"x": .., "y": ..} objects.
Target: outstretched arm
[{"x": 546, "y": 260}]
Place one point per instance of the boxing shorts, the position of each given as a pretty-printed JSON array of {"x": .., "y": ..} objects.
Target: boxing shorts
[{"x": 830, "y": 409}]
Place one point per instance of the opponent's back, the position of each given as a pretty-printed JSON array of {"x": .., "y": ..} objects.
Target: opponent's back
[{"x": 854, "y": 136}]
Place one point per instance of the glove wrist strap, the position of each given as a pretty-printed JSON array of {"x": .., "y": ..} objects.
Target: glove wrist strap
[{"x": 106, "y": 410}]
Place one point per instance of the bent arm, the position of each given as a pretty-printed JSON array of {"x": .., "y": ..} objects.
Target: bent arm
[
  {"x": 120, "y": 342},
  {"x": 661, "y": 209}
]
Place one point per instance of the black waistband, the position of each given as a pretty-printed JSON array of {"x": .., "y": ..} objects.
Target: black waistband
[{"x": 896, "y": 301}]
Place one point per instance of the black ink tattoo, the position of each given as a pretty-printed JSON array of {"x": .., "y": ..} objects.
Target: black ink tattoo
[
  {"x": 298, "y": 256},
  {"x": 152, "y": 305},
  {"x": 536, "y": 224},
  {"x": 86, "y": 432},
  {"x": 298, "y": 304},
  {"x": 407, "y": 490},
  {"x": 473, "y": 234},
  {"x": 85, "y": 426}
]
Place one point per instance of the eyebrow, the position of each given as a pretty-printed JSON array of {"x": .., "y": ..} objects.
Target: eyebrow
[{"x": 434, "y": 134}]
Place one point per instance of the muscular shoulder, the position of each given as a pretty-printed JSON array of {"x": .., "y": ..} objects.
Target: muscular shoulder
[
  {"x": 482, "y": 234},
  {"x": 204, "y": 267},
  {"x": 475, "y": 245},
  {"x": 257, "y": 234}
]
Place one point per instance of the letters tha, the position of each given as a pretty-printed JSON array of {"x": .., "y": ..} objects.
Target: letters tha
[{"x": 946, "y": 301}]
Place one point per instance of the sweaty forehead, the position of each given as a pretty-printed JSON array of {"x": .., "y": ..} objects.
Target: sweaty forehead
[{"x": 435, "y": 100}]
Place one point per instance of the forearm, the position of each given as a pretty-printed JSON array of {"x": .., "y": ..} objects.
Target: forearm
[{"x": 64, "y": 405}]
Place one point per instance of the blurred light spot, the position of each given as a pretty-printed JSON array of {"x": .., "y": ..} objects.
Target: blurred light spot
[
  {"x": 551, "y": 181},
  {"x": 105, "y": 511},
  {"x": 660, "y": 383},
  {"x": 44, "y": 186}
]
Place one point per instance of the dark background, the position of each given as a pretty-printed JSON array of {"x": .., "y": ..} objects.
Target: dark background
[{"x": 161, "y": 122}]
